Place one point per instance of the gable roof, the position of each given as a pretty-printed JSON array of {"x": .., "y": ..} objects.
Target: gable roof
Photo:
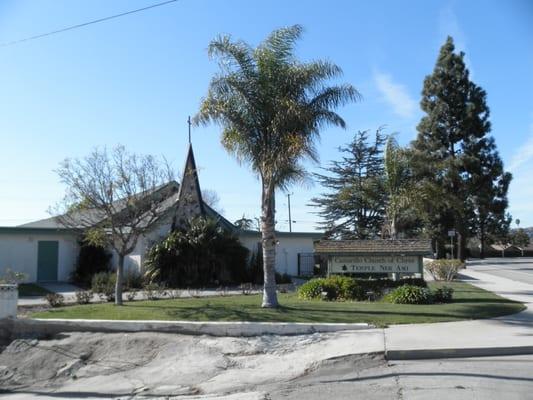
[
  {"x": 380, "y": 246},
  {"x": 169, "y": 193}
]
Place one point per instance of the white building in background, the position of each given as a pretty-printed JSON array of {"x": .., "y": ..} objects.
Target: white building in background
[{"x": 46, "y": 251}]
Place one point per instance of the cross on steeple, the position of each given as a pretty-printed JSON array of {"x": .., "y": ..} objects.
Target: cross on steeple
[{"x": 189, "y": 123}]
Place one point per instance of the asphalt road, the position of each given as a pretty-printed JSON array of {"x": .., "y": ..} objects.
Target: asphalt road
[
  {"x": 516, "y": 269},
  {"x": 487, "y": 378}
]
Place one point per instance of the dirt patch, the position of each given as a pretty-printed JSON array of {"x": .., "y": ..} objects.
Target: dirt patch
[{"x": 147, "y": 364}]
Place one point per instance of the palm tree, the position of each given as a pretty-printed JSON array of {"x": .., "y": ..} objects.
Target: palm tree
[
  {"x": 271, "y": 108},
  {"x": 397, "y": 183}
]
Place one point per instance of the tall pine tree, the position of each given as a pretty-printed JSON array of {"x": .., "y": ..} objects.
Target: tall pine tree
[
  {"x": 452, "y": 149},
  {"x": 354, "y": 206}
]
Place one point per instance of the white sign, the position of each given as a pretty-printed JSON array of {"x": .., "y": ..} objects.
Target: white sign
[
  {"x": 374, "y": 264},
  {"x": 451, "y": 233}
]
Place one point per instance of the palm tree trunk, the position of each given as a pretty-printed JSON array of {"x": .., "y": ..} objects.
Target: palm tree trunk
[
  {"x": 118, "y": 285},
  {"x": 393, "y": 223},
  {"x": 268, "y": 236}
]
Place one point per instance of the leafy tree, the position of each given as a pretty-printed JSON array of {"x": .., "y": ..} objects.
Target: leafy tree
[
  {"x": 212, "y": 199},
  {"x": 271, "y": 108},
  {"x": 354, "y": 206},
  {"x": 456, "y": 123},
  {"x": 113, "y": 200},
  {"x": 520, "y": 238}
]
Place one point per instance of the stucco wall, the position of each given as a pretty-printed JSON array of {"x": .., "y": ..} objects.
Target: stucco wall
[
  {"x": 133, "y": 261},
  {"x": 286, "y": 251},
  {"x": 18, "y": 251}
]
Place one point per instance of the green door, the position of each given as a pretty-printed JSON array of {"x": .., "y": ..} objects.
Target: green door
[{"x": 47, "y": 255}]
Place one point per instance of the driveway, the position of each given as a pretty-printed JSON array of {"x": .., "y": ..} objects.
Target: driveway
[{"x": 518, "y": 269}]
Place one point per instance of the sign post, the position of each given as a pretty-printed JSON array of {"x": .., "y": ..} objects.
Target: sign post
[{"x": 451, "y": 234}]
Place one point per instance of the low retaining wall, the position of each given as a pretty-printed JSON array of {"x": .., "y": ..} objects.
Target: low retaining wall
[
  {"x": 47, "y": 327},
  {"x": 8, "y": 301}
]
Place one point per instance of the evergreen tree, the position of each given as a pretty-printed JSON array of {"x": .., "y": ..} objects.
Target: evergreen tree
[
  {"x": 354, "y": 207},
  {"x": 488, "y": 185},
  {"x": 520, "y": 239},
  {"x": 450, "y": 148}
]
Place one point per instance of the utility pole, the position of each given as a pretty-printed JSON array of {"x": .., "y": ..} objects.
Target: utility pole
[{"x": 289, "y": 204}]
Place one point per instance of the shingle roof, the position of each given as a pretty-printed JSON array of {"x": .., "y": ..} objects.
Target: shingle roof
[
  {"x": 399, "y": 246},
  {"x": 167, "y": 204}
]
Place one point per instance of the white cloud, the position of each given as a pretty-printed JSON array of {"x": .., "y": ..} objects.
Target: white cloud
[
  {"x": 524, "y": 153},
  {"x": 396, "y": 95}
]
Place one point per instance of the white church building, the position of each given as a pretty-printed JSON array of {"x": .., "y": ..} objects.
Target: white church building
[{"x": 47, "y": 251}]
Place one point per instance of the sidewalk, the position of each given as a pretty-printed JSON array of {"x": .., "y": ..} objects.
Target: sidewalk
[
  {"x": 66, "y": 289},
  {"x": 70, "y": 294},
  {"x": 506, "y": 335}
]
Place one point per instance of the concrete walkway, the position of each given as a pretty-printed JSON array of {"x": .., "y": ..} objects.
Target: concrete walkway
[
  {"x": 68, "y": 290},
  {"x": 506, "y": 335}
]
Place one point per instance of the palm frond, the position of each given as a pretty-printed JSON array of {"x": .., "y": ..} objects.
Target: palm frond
[{"x": 281, "y": 42}]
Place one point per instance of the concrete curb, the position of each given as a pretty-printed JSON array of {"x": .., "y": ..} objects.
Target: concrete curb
[
  {"x": 426, "y": 354},
  {"x": 47, "y": 327}
]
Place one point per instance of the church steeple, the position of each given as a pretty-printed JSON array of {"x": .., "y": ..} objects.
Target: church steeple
[{"x": 190, "y": 204}]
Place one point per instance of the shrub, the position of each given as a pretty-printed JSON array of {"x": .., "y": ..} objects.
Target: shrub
[
  {"x": 154, "y": 291},
  {"x": 103, "y": 283},
  {"x": 13, "y": 277},
  {"x": 91, "y": 260},
  {"x": 84, "y": 296},
  {"x": 283, "y": 278},
  {"x": 444, "y": 270},
  {"x": 410, "y": 294},
  {"x": 133, "y": 280},
  {"x": 312, "y": 289},
  {"x": 55, "y": 299},
  {"x": 443, "y": 295},
  {"x": 174, "y": 293},
  {"x": 332, "y": 288},
  {"x": 343, "y": 288},
  {"x": 199, "y": 254},
  {"x": 339, "y": 287},
  {"x": 131, "y": 294}
]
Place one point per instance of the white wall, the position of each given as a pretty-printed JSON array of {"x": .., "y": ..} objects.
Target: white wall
[
  {"x": 286, "y": 251},
  {"x": 18, "y": 252},
  {"x": 134, "y": 260}
]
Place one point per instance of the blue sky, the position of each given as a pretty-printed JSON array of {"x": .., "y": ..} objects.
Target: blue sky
[{"x": 134, "y": 81}]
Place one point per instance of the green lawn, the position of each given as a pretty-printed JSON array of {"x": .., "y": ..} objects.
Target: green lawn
[
  {"x": 469, "y": 303},
  {"x": 31, "y": 289}
]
